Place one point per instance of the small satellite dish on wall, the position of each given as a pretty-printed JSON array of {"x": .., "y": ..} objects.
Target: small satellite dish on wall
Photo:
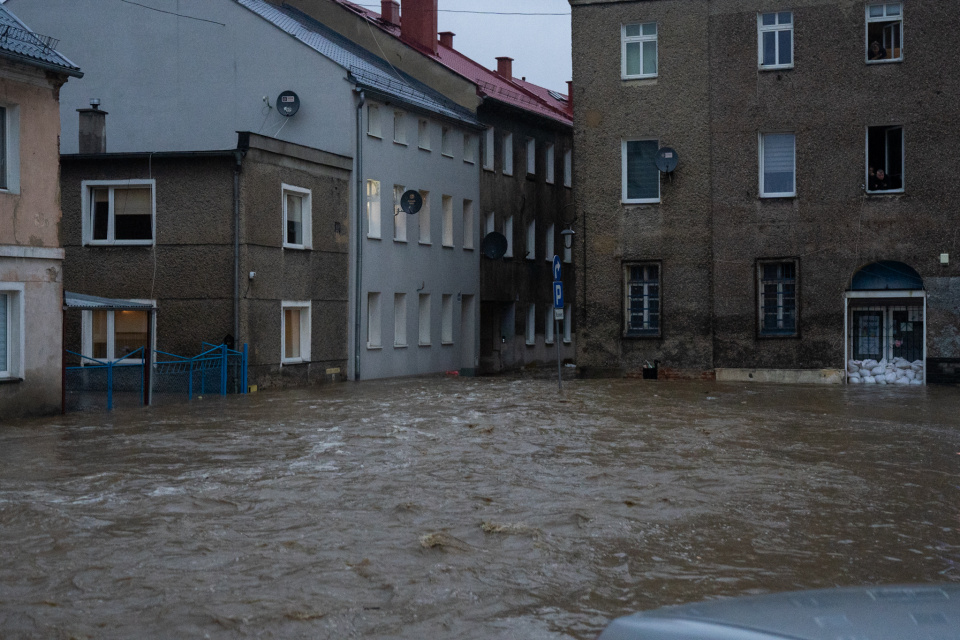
[
  {"x": 288, "y": 103},
  {"x": 411, "y": 201},
  {"x": 494, "y": 245},
  {"x": 666, "y": 159}
]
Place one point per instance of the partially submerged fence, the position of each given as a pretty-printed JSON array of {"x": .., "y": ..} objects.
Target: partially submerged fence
[{"x": 105, "y": 384}]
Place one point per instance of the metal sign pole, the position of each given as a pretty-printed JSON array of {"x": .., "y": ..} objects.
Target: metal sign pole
[{"x": 556, "y": 338}]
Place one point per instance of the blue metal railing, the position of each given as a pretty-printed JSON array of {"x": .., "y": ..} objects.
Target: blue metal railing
[
  {"x": 210, "y": 371},
  {"x": 109, "y": 366}
]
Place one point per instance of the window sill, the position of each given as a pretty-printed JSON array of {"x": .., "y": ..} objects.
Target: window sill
[
  {"x": 448, "y": 246},
  {"x": 447, "y": 343},
  {"x": 631, "y": 202},
  {"x": 568, "y": 186},
  {"x": 775, "y": 336},
  {"x": 490, "y": 169},
  {"x": 777, "y": 196},
  {"x": 887, "y": 61},
  {"x": 423, "y": 344},
  {"x": 549, "y": 342},
  {"x": 550, "y": 182},
  {"x": 297, "y": 247},
  {"x": 778, "y": 67},
  {"x": 469, "y": 161},
  {"x": 889, "y": 192},
  {"x": 400, "y": 241},
  {"x": 427, "y": 149},
  {"x": 425, "y": 244},
  {"x": 447, "y": 155},
  {"x": 468, "y": 248},
  {"x": 10, "y": 380},
  {"x": 119, "y": 243},
  {"x": 655, "y": 336},
  {"x": 568, "y": 342},
  {"x": 374, "y": 135},
  {"x": 400, "y": 346},
  {"x": 530, "y": 344},
  {"x": 287, "y": 362},
  {"x": 402, "y": 144},
  {"x": 374, "y": 347},
  {"x": 370, "y": 237},
  {"x": 510, "y": 175}
]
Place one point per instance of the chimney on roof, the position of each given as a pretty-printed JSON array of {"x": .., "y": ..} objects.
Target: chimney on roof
[
  {"x": 390, "y": 12},
  {"x": 418, "y": 23},
  {"x": 446, "y": 39},
  {"x": 505, "y": 67},
  {"x": 570, "y": 94},
  {"x": 93, "y": 128}
]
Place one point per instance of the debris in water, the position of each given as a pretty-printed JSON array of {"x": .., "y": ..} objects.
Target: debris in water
[
  {"x": 509, "y": 528},
  {"x": 443, "y": 540}
]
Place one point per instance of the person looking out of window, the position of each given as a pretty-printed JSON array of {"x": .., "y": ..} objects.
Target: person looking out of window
[{"x": 877, "y": 52}]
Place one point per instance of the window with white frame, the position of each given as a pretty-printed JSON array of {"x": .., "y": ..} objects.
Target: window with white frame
[
  {"x": 468, "y": 224},
  {"x": 424, "y": 323},
  {"x": 424, "y": 218},
  {"x": 642, "y": 299},
  {"x": 548, "y": 326},
  {"x": 373, "y": 120},
  {"x": 119, "y": 212},
  {"x": 446, "y": 203},
  {"x": 489, "y": 223},
  {"x": 532, "y": 240},
  {"x": 446, "y": 319},
  {"x": 115, "y": 334},
  {"x": 777, "y": 296},
  {"x": 568, "y": 168},
  {"x": 374, "y": 315},
  {"x": 469, "y": 148},
  {"x": 567, "y": 324},
  {"x": 549, "y": 155},
  {"x": 508, "y": 154},
  {"x": 638, "y": 50},
  {"x": 423, "y": 134},
  {"x": 775, "y": 35},
  {"x": 446, "y": 142},
  {"x": 640, "y": 176},
  {"x": 10, "y": 148},
  {"x": 12, "y": 340},
  {"x": 778, "y": 165},
  {"x": 399, "y": 319},
  {"x": 531, "y": 156},
  {"x": 548, "y": 237},
  {"x": 508, "y": 233},
  {"x": 488, "y": 137},
  {"x": 295, "y": 331},
  {"x": 297, "y": 217},
  {"x": 399, "y": 215},
  {"x": 399, "y": 127},
  {"x": 885, "y": 165},
  {"x": 885, "y": 32},
  {"x": 373, "y": 209},
  {"x": 531, "y": 333}
]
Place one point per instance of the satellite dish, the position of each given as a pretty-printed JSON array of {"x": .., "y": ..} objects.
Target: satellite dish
[
  {"x": 666, "y": 159},
  {"x": 494, "y": 245},
  {"x": 288, "y": 103},
  {"x": 411, "y": 201}
]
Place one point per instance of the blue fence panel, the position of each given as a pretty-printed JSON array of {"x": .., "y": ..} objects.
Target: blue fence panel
[{"x": 102, "y": 384}]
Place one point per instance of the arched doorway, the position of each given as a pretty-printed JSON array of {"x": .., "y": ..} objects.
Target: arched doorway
[{"x": 886, "y": 325}]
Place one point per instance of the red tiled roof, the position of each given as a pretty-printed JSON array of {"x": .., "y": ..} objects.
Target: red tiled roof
[{"x": 515, "y": 92}]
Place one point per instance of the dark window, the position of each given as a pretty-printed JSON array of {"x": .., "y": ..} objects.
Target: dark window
[
  {"x": 641, "y": 178},
  {"x": 642, "y": 300},
  {"x": 121, "y": 214},
  {"x": 3, "y": 148},
  {"x": 885, "y": 32},
  {"x": 778, "y": 298},
  {"x": 884, "y": 158}
]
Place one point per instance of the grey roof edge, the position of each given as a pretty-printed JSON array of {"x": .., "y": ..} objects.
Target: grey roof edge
[
  {"x": 67, "y": 66},
  {"x": 84, "y": 301},
  {"x": 249, "y": 140},
  {"x": 467, "y": 121}
]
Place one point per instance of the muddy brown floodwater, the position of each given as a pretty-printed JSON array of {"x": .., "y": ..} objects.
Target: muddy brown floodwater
[{"x": 467, "y": 508}]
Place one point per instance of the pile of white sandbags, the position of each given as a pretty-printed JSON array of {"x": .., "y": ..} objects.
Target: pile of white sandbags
[{"x": 896, "y": 371}]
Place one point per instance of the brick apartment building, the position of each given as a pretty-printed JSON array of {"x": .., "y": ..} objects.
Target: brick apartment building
[{"x": 812, "y": 217}]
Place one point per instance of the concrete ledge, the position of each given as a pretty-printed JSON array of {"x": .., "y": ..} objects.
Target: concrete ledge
[{"x": 781, "y": 376}]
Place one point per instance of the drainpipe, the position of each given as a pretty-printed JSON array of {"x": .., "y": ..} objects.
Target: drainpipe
[
  {"x": 238, "y": 159},
  {"x": 359, "y": 235}
]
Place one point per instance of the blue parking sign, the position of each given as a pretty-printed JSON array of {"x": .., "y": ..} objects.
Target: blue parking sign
[{"x": 558, "y": 295}]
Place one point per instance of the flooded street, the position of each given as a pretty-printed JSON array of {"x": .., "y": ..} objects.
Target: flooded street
[{"x": 467, "y": 508}]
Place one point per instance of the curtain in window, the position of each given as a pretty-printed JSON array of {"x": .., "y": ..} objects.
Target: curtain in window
[
  {"x": 294, "y": 219},
  {"x": 133, "y": 209},
  {"x": 778, "y": 153},
  {"x": 291, "y": 330},
  {"x": 4, "y": 349},
  {"x": 643, "y": 178}
]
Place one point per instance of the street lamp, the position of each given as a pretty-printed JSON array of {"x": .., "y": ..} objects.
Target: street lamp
[{"x": 568, "y": 234}]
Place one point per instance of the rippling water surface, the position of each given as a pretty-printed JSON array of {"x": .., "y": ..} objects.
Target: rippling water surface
[{"x": 467, "y": 508}]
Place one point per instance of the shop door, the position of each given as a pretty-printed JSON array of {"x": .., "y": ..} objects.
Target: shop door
[{"x": 868, "y": 334}]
